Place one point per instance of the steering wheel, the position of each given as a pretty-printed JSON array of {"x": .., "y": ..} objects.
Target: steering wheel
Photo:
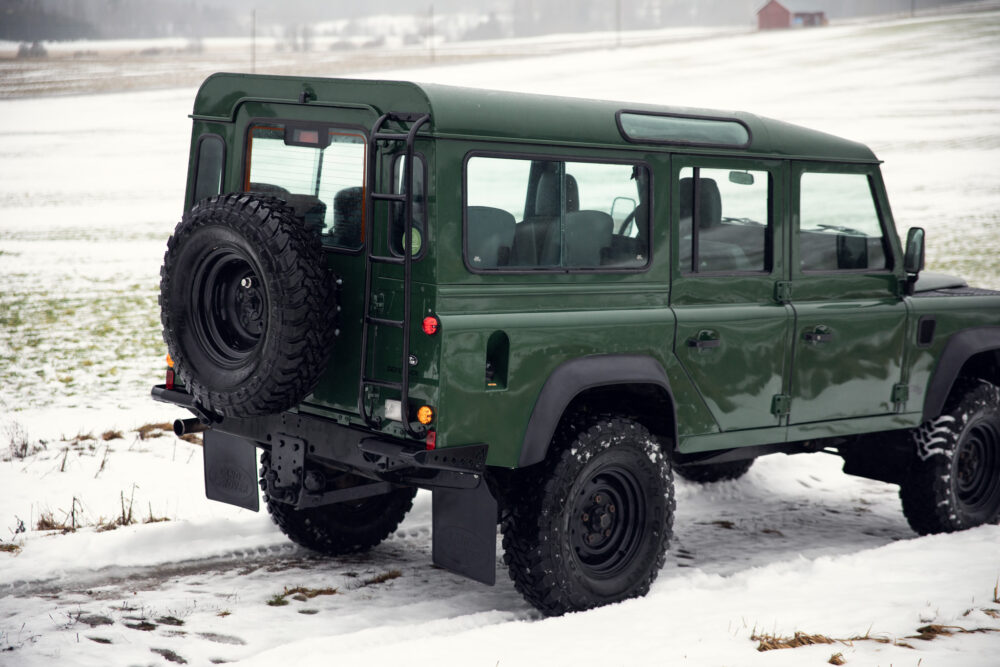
[{"x": 627, "y": 221}]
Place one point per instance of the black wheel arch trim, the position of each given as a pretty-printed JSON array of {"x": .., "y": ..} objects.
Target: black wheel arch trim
[
  {"x": 960, "y": 347},
  {"x": 573, "y": 377}
]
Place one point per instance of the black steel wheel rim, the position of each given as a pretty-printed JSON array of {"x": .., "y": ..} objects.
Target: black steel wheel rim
[
  {"x": 607, "y": 522},
  {"x": 230, "y": 306},
  {"x": 977, "y": 467}
]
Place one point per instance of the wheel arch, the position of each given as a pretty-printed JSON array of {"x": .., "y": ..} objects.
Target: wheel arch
[
  {"x": 636, "y": 381},
  {"x": 970, "y": 353}
]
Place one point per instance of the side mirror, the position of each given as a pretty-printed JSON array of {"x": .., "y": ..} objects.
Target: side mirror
[{"x": 913, "y": 259}]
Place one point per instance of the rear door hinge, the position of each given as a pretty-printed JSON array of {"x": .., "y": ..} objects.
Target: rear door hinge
[
  {"x": 783, "y": 291},
  {"x": 900, "y": 394},
  {"x": 781, "y": 405}
]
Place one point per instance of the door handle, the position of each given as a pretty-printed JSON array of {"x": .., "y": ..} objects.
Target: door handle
[
  {"x": 705, "y": 339},
  {"x": 820, "y": 334}
]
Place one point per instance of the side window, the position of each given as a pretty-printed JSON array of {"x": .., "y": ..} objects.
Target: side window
[
  {"x": 318, "y": 171},
  {"x": 839, "y": 226},
  {"x": 211, "y": 159},
  {"x": 524, "y": 214},
  {"x": 725, "y": 220},
  {"x": 397, "y": 227}
]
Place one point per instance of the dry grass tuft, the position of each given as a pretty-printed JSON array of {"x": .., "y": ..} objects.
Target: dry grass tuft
[
  {"x": 299, "y": 593},
  {"x": 80, "y": 438},
  {"x": 69, "y": 523},
  {"x": 193, "y": 438},
  {"x": 933, "y": 631},
  {"x": 837, "y": 659},
  {"x": 996, "y": 591},
  {"x": 147, "y": 431},
  {"x": 382, "y": 578},
  {"x": 20, "y": 446},
  {"x": 769, "y": 642},
  {"x": 10, "y": 548},
  {"x": 112, "y": 435}
]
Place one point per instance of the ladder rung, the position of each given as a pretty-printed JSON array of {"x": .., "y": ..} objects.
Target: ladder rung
[
  {"x": 385, "y": 196},
  {"x": 387, "y": 259},
  {"x": 383, "y": 383},
  {"x": 385, "y": 322},
  {"x": 391, "y": 136}
]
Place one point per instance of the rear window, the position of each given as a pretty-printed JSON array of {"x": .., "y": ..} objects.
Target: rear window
[{"x": 319, "y": 171}]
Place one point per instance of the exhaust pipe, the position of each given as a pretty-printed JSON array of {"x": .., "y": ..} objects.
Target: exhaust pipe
[{"x": 186, "y": 426}]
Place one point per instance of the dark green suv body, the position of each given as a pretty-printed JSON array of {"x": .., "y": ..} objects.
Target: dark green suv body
[{"x": 594, "y": 296}]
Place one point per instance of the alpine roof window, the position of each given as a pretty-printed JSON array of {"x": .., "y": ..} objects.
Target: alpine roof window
[{"x": 655, "y": 128}]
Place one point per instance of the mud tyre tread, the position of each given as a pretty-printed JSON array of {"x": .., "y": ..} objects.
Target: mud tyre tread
[
  {"x": 538, "y": 535},
  {"x": 944, "y": 489},
  {"x": 282, "y": 362}
]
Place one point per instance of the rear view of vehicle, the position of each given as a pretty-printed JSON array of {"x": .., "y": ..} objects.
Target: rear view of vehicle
[{"x": 297, "y": 323}]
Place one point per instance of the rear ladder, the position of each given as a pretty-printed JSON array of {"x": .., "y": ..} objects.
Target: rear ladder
[{"x": 372, "y": 195}]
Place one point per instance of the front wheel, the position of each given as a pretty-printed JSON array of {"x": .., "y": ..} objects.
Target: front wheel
[
  {"x": 954, "y": 480},
  {"x": 591, "y": 524}
]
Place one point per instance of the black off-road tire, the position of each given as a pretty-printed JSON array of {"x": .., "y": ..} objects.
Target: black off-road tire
[
  {"x": 246, "y": 304},
  {"x": 714, "y": 472},
  {"x": 343, "y": 528},
  {"x": 954, "y": 479},
  {"x": 590, "y": 525}
]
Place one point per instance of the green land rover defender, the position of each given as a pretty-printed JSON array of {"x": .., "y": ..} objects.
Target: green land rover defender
[{"x": 540, "y": 309}]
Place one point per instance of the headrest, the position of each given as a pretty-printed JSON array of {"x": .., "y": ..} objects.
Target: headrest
[{"x": 709, "y": 201}]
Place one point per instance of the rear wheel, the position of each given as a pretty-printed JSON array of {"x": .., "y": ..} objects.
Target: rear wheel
[
  {"x": 591, "y": 525},
  {"x": 343, "y": 528},
  {"x": 714, "y": 472},
  {"x": 954, "y": 480}
]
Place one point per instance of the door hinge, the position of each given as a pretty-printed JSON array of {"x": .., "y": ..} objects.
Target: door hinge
[
  {"x": 900, "y": 393},
  {"x": 781, "y": 405},
  {"x": 783, "y": 291}
]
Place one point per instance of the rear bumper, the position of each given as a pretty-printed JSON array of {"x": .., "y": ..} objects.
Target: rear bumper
[{"x": 364, "y": 452}]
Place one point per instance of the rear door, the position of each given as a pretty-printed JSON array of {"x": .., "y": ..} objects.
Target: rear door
[
  {"x": 315, "y": 160},
  {"x": 732, "y": 331},
  {"x": 849, "y": 315}
]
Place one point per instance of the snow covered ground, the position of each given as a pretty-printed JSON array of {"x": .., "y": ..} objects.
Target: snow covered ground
[{"x": 90, "y": 187}]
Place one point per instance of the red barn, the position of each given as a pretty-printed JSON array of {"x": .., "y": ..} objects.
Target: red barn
[
  {"x": 776, "y": 15},
  {"x": 773, "y": 15}
]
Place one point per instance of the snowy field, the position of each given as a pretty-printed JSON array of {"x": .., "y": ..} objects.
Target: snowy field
[{"x": 90, "y": 188}]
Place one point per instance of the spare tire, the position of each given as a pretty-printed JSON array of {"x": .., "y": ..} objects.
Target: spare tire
[{"x": 247, "y": 305}]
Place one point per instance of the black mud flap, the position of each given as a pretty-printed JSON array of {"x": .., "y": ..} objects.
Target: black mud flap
[
  {"x": 231, "y": 470},
  {"x": 465, "y": 532}
]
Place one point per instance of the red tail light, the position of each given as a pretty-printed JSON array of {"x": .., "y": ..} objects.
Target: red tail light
[
  {"x": 170, "y": 378},
  {"x": 431, "y": 439},
  {"x": 430, "y": 325}
]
